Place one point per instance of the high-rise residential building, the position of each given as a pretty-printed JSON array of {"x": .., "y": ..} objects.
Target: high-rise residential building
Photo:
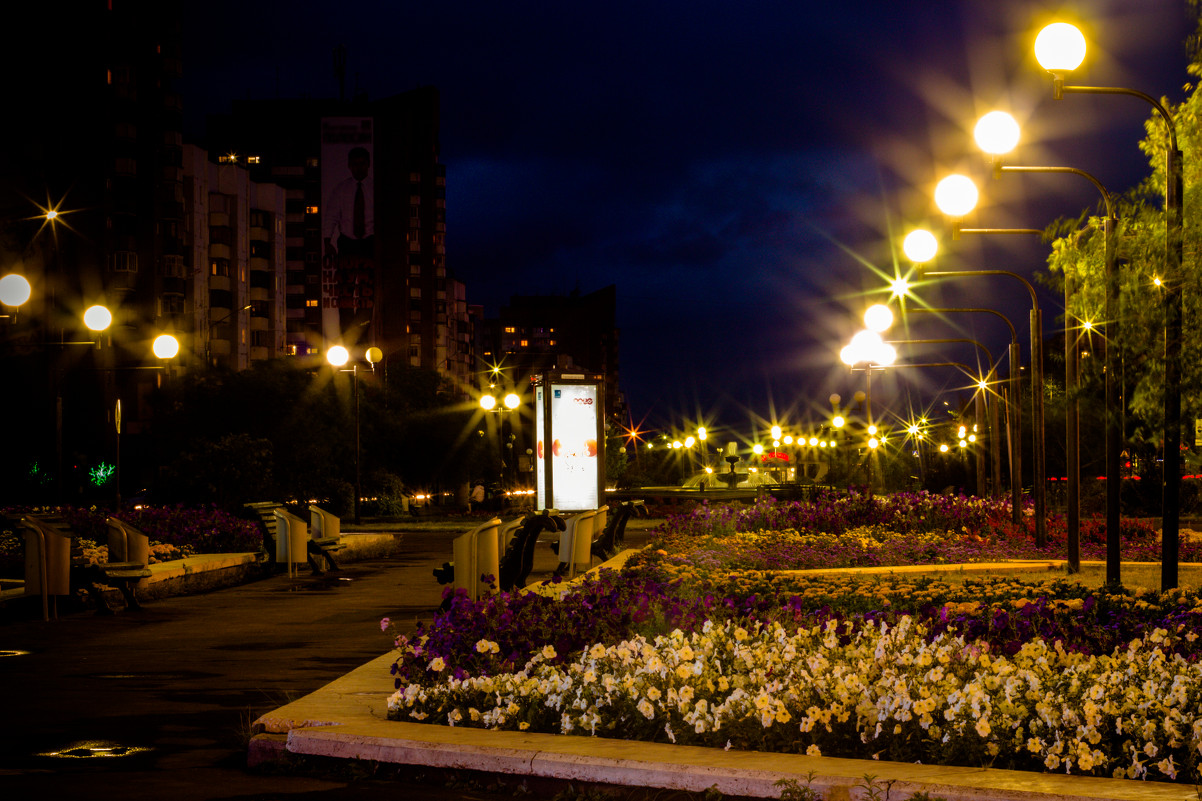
[
  {"x": 234, "y": 241},
  {"x": 365, "y": 224},
  {"x": 93, "y": 133}
]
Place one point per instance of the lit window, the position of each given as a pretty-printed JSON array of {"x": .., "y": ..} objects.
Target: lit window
[
  {"x": 252, "y": 159},
  {"x": 312, "y": 209},
  {"x": 312, "y": 303},
  {"x": 228, "y": 158},
  {"x": 524, "y": 343},
  {"x": 509, "y": 329},
  {"x": 552, "y": 343}
]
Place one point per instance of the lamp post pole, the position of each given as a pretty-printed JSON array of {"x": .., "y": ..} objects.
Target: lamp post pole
[
  {"x": 995, "y": 453},
  {"x": 1013, "y": 406},
  {"x": 997, "y": 134},
  {"x": 1060, "y": 49},
  {"x": 1039, "y": 490}
]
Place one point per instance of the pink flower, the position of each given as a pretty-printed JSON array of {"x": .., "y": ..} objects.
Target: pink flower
[{"x": 385, "y": 623}]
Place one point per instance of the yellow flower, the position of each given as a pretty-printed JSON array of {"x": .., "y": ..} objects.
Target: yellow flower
[
  {"x": 548, "y": 652},
  {"x": 437, "y": 664}
]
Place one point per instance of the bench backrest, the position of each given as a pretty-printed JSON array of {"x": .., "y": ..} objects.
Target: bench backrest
[
  {"x": 126, "y": 543},
  {"x": 323, "y": 524}
]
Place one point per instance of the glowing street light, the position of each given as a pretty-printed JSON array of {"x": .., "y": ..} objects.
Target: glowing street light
[
  {"x": 956, "y": 195},
  {"x": 920, "y": 246},
  {"x": 165, "y": 346},
  {"x": 97, "y": 318},
  {"x": 1060, "y": 48},
  {"x": 921, "y": 243},
  {"x": 996, "y": 133},
  {"x": 14, "y": 290}
]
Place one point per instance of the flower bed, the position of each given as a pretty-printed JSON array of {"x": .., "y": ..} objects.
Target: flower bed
[
  {"x": 174, "y": 532},
  {"x": 690, "y": 645}
]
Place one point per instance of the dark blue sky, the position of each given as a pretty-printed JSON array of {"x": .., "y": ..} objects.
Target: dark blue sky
[{"x": 737, "y": 169}]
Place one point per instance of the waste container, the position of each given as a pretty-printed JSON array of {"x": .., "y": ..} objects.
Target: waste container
[
  {"x": 291, "y": 536},
  {"x": 476, "y": 554},
  {"x": 47, "y": 553}
]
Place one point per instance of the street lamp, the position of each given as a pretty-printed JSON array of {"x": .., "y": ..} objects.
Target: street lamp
[
  {"x": 1060, "y": 48},
  {"x": 997, "y": 133},
  {"x": 982, "y": 384},
  {"x": 337, "y": 356},
  {"x": 922, "y": 243},
  {"x": 867, "y": 348},
  {"x": 14, "y": 290},
  {"x": 1014, "y": 403},
  {"x": 508, "y": 403}
]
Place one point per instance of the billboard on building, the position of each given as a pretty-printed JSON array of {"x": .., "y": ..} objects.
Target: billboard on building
[{"x": 348, "y": 258}]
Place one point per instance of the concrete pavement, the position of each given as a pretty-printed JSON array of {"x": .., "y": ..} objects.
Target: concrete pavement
[{"x": 172, "y": 694}]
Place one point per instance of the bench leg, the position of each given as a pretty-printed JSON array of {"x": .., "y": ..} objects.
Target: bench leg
[
  {"x": 314, "y": 553},
  {"x": 130, "y": 594}
]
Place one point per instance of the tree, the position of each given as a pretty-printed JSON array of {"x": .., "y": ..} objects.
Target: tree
[{"x": 1077, "y": 250}]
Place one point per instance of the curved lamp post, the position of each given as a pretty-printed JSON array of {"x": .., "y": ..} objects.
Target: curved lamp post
[
  {"x": 997, "y": 133},
  {"x": 1060, "y": 49},
  {"x": 867, "y": 348},
  {"x": 1013, "y": 404},
  {"x": 995, "y": 452},
  {"x": 920, "y": 246}
]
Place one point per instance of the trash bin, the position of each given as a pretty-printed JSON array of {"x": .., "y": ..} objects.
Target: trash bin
[
  {"x": 291, "y": 535},
  {"x": 476, "y": 554},
  {"x": 48, "y": 553}
]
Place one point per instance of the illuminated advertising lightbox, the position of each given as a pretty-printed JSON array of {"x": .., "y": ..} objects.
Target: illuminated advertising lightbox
[
  {"x": 540, "y": 462},
  {"x": 574, "y": 466}
]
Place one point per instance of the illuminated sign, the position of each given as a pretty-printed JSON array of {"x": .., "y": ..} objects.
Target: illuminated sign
[
  {"x": 569, "y": 447},
  {"x": 540, "y": 463},
  {"x": 574, "y": 464}
]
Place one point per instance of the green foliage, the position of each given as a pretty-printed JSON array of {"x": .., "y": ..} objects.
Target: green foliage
[
  {"x": 616, "y": 459},
  {"x": 1077, "y": 250},
  {"x": 228, "y": 471},
  {"x": 283, "y": 430}
]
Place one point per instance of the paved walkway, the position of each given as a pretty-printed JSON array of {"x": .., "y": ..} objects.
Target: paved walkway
[{"x": 174, "y": 691}]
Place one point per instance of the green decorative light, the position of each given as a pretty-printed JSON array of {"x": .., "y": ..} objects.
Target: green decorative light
[{"x": 101, "y": 473}]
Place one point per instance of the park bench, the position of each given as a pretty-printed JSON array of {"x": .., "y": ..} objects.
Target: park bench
[
  {"x": 496, "y": 552},
  {"x": 265, "y": 512},
  {"x": 325, "y": 538},
  {"x": 54, "y": 566},
  {"x": 129, "y": 559},
  {"x": 517, "y": 558},
  {"x": 614, "y": 533},
  {"x": 575, "y": 546},
  {"x": 475, "y": 561}
]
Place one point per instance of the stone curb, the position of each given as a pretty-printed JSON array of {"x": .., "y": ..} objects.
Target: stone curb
[{"x": 347, "y": 719}]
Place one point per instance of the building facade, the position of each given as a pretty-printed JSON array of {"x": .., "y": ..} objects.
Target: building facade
[{"x": 365, "y": 270}]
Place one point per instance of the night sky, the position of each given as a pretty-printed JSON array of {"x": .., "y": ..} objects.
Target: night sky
[{"x": 741, "y": 171}]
